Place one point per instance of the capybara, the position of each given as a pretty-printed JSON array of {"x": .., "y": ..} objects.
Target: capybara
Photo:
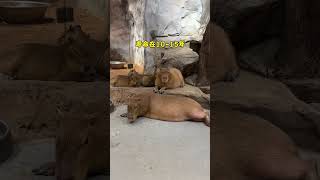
[
  {"x": 246, "y": 147},
  {"x": 140, "y": 80},
  {"x": 167, "y": 108},
  {"x": 82, "y": 147},
  {"x": 217, "y": 57},
  {"x": 168, "y": 78},
  {"x": 75, "y": 58}
]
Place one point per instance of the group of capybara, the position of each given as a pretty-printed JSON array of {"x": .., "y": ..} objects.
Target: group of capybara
[
  {"x": 244, "y": 146},
  {"x": 156, "y": 105}
]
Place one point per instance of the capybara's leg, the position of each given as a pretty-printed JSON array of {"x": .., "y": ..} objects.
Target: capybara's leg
[
  {"x": 200, "y": 115},
  {"x": 47, "y": 169},
  {"x": 132, "y": 118}
]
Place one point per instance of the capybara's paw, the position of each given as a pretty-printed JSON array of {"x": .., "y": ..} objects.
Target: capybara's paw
[
  {"x": 124, "y": 115},
  {"x": 161, "y": 91},
  {"x": 131, "y": 120},
  {"x": 155, "y": 90},
  {"x": 207, "y": 121},
  {"x": 47, "y": 169}
]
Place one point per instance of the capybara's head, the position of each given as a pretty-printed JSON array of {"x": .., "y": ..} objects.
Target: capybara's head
[
  {"x": 137, "y": 107},
  {"x": 164, "y": 75},
  {"x": 74, "y": 35},
  {"x": 75, "y": 139},
  {"x": 134, "y": 78}
]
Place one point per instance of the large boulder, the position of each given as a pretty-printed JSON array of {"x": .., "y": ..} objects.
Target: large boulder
[
  {"x": 260, "y": 58},
  {"x": 307, "y": 90},
  {"x": 272, "y": 101},
  {"x": 184, "y": 59},
  {"x": 247, "y": 21}
]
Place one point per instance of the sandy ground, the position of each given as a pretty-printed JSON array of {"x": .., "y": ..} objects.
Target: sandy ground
[
  {"x": 28, "y": 156},
  {"x": 158, "y": 150}
]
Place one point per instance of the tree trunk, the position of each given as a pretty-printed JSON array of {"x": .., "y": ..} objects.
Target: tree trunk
[{"x": 301, "y": 39}]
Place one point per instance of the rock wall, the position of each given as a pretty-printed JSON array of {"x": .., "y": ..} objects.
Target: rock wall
[
  {"x": 174, "y": 20},
  {"x": 137, "y": 27}
]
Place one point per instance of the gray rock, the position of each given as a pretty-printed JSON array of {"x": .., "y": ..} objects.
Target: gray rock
[
  {"x": 247, "y": 21},
  {"x": 183, "y": 59},
  {"x": 316, "y": 106},
  {"x": 307, "y": 90},
  {"x": 192, "y": 92},
  {"x": 260, "y": 58},
  {"x": 274, "y": 102},
  {"x": 191, "y": 80}
]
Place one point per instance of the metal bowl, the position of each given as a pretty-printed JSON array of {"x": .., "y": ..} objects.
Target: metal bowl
[
  {"x": 117, "y": 64},
  {"x": 6, "y": 145},
  {"x": 17, "y": 12}
]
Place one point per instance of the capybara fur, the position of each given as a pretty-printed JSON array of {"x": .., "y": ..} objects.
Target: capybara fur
[
  {"x": 75, "y": 58},
  {"x": 121, "y": 81},
  {"x": 82, "y": 147},
  {"x": 217, "y": 57},
  {"x": 134, "y": 79},
  {"x": 168, "y": 78},
  {"x": 141, "y": 80},
  {"x": 167, "y": 108},
  {"x": 247, "y": 147}
]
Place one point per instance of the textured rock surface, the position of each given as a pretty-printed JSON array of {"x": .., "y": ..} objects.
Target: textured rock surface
[
  {"x": 179, "y": 17},
  {"x": 119, "y": 27},
  {"x": 260, "y": 58},
  {"x": 307, "y": 90},
  {"x": 274, "y": 102},
  {"x": 183, "y": 59},
  {"x": 249, "y": 21}
]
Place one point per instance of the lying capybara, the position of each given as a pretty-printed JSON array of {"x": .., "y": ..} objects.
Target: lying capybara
[
  {"x": 133, "y": 79},
  {"x": 168, "y": 78},
  {"x": 166, "y": 108},
  {"x": 247, "y": 147},
  {"x": 75, "y": 58},
  {"x": 140, "y": 80},
  {"x": 217, "y": 57}
]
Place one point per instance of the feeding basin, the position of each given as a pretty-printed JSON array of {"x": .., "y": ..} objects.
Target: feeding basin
[
  {"x": 22, "y": 12},
  {"x": 117, "y": 64}
]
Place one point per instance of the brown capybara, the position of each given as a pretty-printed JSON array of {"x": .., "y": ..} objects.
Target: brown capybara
[
  {"x": 167, "y": 108},
  {"x": 75, "y": 58},
  {"x": 140, "y": 80},
  {"x": 134, "y": 79},
  {"x": 247, "y": 147},
  {"x": 82, "y": 147},
  {"x": 217, "y": 57},
  {"x": 121, "y": 81},
  {"x": 168, "y": 78}
]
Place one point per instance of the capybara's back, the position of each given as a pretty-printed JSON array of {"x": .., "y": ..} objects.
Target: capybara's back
[
  {"x": 219, "y": 55},
  {"x": 249, "y": 147}
]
